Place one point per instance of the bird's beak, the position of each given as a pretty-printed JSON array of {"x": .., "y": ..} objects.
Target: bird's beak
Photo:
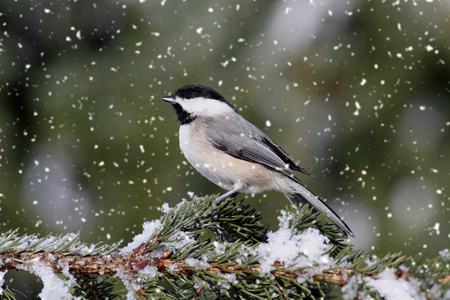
[{"x": 168, "y": 99}]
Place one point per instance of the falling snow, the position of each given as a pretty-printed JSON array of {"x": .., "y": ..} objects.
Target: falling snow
[{"x": 355, "y": 91}]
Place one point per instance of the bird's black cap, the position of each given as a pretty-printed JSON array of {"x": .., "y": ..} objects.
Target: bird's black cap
[{"x": 197, "y": 90}]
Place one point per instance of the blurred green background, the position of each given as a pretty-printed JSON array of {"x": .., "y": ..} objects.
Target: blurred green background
[{"x": 357, "y": 91}]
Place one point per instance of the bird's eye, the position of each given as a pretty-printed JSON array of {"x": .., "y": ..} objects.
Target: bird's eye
[{"x": 188, "y": 96}]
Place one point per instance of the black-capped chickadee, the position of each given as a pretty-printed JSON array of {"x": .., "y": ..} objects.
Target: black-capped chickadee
[{"x": 233, "y": 153}]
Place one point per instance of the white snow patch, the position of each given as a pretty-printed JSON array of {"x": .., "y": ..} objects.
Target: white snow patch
[
  {"x": 229, "y": 280},
  {"x": 445, "y": 254},
  {"x": 197, "y": 263},
  {"x": 2, "y": 280},
  {"x": 149, "y": 272},
  {"x": 54, "y": 287},
  {"x": 305, "y": 249},
  {"x": 130, "y": 285},
  {"x": 220, "y": 248},
  {"x": 393, "y": 288},
  {"x": 350, "y": 290},
  {"x": 150, "y": 228},
  {"x": 165, "y": 208},
  {"x": 180, "y": 239}
]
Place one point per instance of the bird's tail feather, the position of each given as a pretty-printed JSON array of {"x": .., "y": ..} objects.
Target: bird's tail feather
[{"x": 303, "y": 195}]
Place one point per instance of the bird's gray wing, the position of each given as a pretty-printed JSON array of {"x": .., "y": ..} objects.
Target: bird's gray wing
[
  {"x": 285, "y": 156},
  {"x": 241, "y": 139}
]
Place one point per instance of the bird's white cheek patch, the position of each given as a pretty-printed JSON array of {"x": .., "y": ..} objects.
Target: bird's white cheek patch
[{"x": 205, "y": 107}]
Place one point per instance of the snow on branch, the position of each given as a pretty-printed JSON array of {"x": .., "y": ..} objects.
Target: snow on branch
[{"x": 221, "y": 250}]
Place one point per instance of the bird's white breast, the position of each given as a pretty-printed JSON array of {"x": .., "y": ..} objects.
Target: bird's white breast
[{"x": 221, "y": 168}]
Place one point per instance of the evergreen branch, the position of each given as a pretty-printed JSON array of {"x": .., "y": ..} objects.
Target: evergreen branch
[
  {"x": 101, "y": 265},
  {"x": 206, "y": 250},
  {"x": 67, "y": 244}
]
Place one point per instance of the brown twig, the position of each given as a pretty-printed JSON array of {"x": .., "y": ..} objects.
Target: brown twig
[{"x": 139, "y": 259}]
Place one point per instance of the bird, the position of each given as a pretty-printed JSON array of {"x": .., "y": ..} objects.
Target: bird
[{"x": 234, "y": 154}]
